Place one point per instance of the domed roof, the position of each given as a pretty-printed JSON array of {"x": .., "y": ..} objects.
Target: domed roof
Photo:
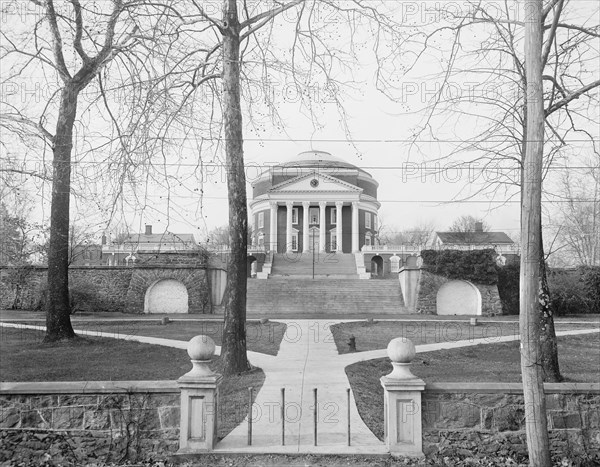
[
  {"x": 317, "y": 159},
  {"x": 303, "y": 166}
]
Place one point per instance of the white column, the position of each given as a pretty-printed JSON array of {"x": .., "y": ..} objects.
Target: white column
[
  {"x": 355, "y": 227},
  {"x": 273, "y": 227},
  {"x": 338, "y": 226},
  {"x": 288, "y": 226},
  {"x": 322, "y": 225},
  {"x": 305, "y": 238}
]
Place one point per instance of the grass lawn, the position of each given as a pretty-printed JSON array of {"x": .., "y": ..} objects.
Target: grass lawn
[
  {"x": 377, "y": 335},
  {"x": 26, "y": 358},
  {"x": 263, "y": 338},
  {"x": 579, "y": 359}
]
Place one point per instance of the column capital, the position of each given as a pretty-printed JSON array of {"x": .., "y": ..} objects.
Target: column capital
[
  {"x": 305, "y": 204},
  {"x": 289, "y": 204},
  {"x": 273, "y": 204},
  {"x": 322, "y": 204},
  {"x": 339, "y": 204},
  {"x": 354, "y": 204}
]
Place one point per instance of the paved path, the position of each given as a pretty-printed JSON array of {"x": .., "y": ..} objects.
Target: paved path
[
  {"x": 307, "y": 359},
  {"x": 40, "y": 316}
]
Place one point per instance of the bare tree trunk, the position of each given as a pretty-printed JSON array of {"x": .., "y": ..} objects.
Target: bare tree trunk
[
  {"x": 58, "y": 312},
  {"x": 550, "y": 367},
  {"x": 234, "y": 331},
  {"x": 549, "y": 349},
  {"x": 533, "y": 389}
]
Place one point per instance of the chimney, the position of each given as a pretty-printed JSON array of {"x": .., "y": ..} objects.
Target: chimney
[
  {"x": 148, "y": 230},
  {"x": 103, "y": 239},
  {"x": 478, "y": 226}
]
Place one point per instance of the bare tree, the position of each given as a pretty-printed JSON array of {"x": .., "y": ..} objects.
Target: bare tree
[
  {"x": 23, "y": 240},
  {"x": 255, "y": 45},
  {"x": 496, "y": 105},
  {"x": 218, "y": 236},
  {"x": 71, "y": 47},
  {"x": 576, "y": 221},
  {"x": 468, "y": 226},
  {"x": 536, "y": 427},
  {"x": 418, "y": 236},
  {"x": 468, "y": 223}
]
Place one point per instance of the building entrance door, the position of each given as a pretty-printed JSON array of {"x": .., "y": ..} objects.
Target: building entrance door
[{"x": 313, "y": 240}]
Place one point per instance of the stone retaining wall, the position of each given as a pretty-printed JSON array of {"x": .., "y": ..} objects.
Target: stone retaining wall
[
  {"x": 88, "y": 422},
  {"x": 485, "y": 418},
  {"x": 428, "y": 287},
  {"x": 105, "y": 288}
]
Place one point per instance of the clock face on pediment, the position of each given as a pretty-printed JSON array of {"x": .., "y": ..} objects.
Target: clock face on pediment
[{"x": 314, "y": 182}]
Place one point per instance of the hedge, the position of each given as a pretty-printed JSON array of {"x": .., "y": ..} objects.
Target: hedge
[
  {"x": 475, "y": 266},
  {"x": 572, "y": 291}
]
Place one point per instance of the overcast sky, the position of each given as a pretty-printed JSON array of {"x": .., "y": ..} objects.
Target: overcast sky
[{"x": 374, "y": 134}]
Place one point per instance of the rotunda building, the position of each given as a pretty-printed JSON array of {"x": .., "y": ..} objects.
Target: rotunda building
[{"x": 316, "y": 201}]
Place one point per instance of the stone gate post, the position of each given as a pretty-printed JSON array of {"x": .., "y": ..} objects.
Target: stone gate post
[
  {"x": 402, "y": 399},
  {"x": 199, "y": 399}
]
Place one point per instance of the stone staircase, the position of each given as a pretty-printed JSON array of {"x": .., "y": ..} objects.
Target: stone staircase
[
  {"x": 326, "y": 266},
  {"x": 292, "y": 296}
]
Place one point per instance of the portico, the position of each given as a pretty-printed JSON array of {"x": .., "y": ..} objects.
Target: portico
[
  {"x": 314, "y": 202},
  {"x": 315, "y": 226}
]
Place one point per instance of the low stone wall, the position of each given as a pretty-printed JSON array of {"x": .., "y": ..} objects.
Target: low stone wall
[
  {"x": 79, "y": 423},
  {"x": 105, "y": 288},
  {"x": 195, "y": 281},
  {"x": 428, "y": 287},
  {"x": 486, "y": 418},
  {"x": 99, "y": 288},
  {"x": 406, "y": 260},
  {"x": 180, "y": 258}
]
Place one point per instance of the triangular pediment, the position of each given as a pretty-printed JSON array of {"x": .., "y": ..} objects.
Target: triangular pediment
[{"x": 315, "y": 182}]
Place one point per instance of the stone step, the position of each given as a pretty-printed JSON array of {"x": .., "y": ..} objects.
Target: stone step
[
  {"x": 301, "y": 264},
  {"x": 300, "y": 295},
  {"x": 308, "y": 275}
]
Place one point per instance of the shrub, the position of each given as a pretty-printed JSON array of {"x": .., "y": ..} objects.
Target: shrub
[
  {"x": 508, "y": 288},
  {"x": 572, "y": 292},
  {"x": 475, "y": 266},
  {"x": 591, "y": 285},
  {"x": 575, "y": 291},
  {"x": 82, "y": 297}
]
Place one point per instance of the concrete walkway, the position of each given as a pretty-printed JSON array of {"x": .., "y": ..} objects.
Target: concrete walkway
[
  {"x": 350, "y": 358},
  {"x": 307, "y": 359}
]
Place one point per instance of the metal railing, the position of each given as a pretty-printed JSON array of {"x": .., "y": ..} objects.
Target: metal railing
[{"x": 315, "y": 409}]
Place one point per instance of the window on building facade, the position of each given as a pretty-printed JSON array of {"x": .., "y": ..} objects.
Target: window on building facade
[
  {"x": 295, "y": 241},
  {"x": 314, "y": 215},
  {"x": 294, "y": 215},
  {"x": 367, "y": 220},
  {"x": 374, "y": 221},
  {"x": 261, "y": 220},
  {"x": 333, "y": 215},
  {"x": 368, "y": 239},
  {"x": 261, "y": 240}
]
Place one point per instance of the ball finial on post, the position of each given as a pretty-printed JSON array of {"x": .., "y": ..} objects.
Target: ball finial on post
[
  {"x": 401, "y": 352},
  {"x": 201, "y": 350}
]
